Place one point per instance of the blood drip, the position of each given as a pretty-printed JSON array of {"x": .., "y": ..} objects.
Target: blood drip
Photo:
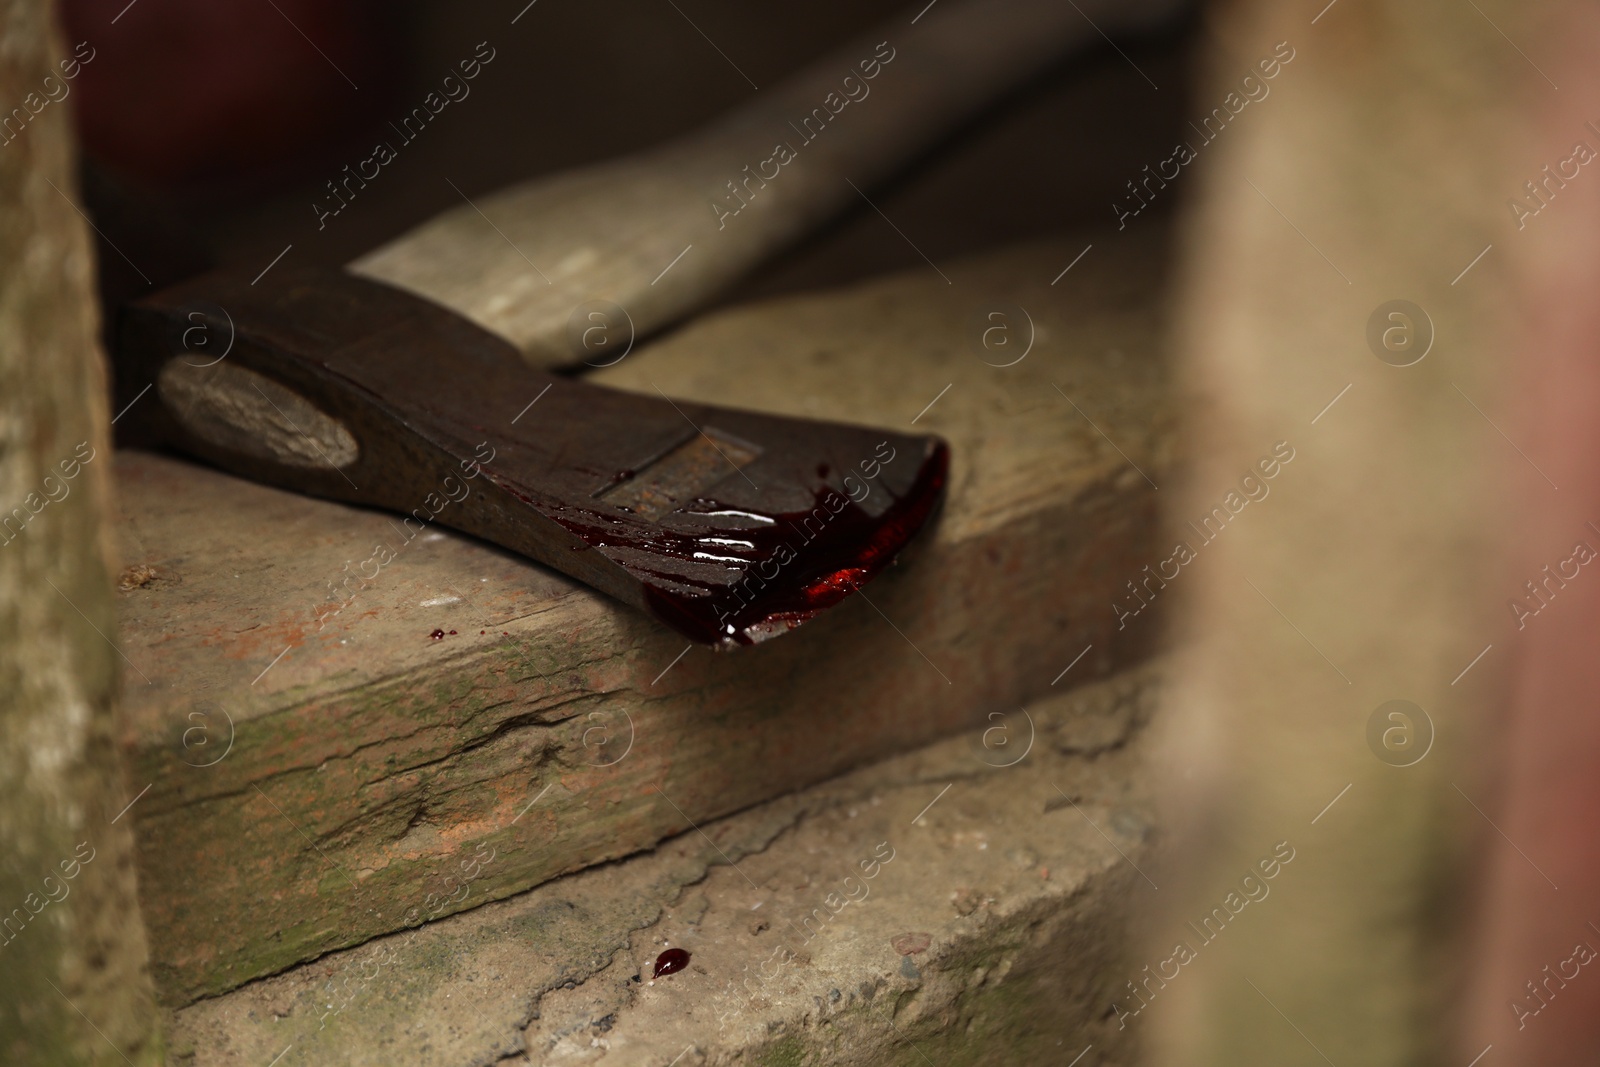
[{"x": 670, "y": 962}]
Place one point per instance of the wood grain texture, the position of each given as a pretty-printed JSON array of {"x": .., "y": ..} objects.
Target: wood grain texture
[
  {"x": 1022, "y": 899},
  {"x": 659, "y": 233},
  {"x": 74, "y": 988},
  {"x": 369, "y": 761}
]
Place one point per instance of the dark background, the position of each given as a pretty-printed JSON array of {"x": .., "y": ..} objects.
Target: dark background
[{"x": 210, "y": 128}]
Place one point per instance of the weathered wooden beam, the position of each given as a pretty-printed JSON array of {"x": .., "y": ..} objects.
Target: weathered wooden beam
[
  {"x": 936, "y": 904},
  {"x": 370, "y": 760}
]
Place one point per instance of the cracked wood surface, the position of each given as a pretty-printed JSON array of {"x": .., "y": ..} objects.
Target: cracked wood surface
[
  {"x": 321, "y": 768},
  {"x": 993, "y": 932}
]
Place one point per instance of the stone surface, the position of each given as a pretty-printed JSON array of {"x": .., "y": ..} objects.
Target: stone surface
[
  {"x": 74, "y": 985},
  {"x": 939, "y": 906},
  {"x": 316, "y": 761},
  {"x": 1373, "y": 572}
]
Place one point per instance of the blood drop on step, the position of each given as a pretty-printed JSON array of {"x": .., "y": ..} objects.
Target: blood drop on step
[{"x": 671, "y": 961}]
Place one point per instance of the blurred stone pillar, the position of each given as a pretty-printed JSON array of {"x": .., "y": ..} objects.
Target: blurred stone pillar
[
  {"x": 73, "y": 982},
  {"x": 1349, "y": 300}
]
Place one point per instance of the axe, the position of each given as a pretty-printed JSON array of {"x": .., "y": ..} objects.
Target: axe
[{"x": 419, "y": 379}]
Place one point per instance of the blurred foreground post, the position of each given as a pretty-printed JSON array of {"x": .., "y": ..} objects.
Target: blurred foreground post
[
  {"x": 1347, "y": 331},
  {"x": 73, "y": 984},
  {"x": 1535, "y": 977}
]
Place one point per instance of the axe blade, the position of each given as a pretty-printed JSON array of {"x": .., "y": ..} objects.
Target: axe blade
[{"x": 729, "y": 526}]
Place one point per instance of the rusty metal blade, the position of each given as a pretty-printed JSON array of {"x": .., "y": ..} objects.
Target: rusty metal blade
[{"x": 729, "y": 526}]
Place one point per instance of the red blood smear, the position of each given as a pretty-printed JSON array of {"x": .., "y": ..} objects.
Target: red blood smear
[
  {"x": 437, "y": 635},
  {"x": 844, "y": 556},
  {"x": 671, "y": 961}
]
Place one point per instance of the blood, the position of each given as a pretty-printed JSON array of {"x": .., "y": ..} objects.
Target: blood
[
  {"x": 790, "y": 572},
  {"x": 437, "y": 635},
  {"x": 826, "y": 567},
  {"x": 670, "y": 962}
]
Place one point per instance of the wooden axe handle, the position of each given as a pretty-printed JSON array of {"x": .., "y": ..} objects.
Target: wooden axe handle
[{"x": 660, "y": 232}]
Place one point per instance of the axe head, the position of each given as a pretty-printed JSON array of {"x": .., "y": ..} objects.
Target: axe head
[{"x": 729, "y": 526}]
